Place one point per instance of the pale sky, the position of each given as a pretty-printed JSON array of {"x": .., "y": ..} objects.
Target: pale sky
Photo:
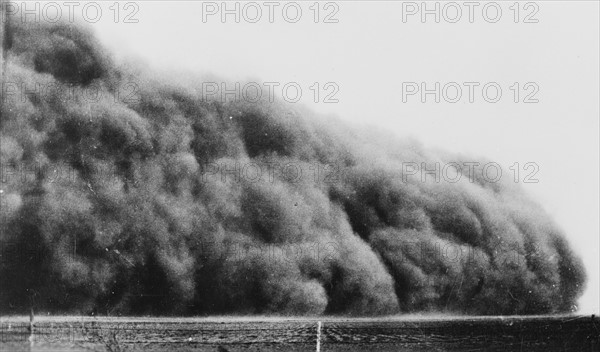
[{"x": 370, "y": 51}]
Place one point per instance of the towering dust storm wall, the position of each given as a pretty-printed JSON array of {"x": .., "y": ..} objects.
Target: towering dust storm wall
[{"x": 153, "y": 205}]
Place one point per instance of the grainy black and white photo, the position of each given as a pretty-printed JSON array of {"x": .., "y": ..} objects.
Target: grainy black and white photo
[{"x": 299, "y": 176}]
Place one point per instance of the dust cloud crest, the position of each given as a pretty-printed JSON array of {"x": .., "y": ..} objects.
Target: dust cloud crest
[{"x": 127, "y": 192}]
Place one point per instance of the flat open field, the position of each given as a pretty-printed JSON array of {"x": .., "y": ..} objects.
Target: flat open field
[{"x": 555, "y": 333}]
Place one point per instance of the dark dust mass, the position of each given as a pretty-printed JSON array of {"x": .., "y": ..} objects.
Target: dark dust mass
[{"x": 162, "y": 234}]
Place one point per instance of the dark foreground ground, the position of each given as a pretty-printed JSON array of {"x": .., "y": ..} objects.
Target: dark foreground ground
[{"x": 556, "y": 333}]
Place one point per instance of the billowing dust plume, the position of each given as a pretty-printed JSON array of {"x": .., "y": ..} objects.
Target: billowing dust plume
[{"x": 168, "y": 203}]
